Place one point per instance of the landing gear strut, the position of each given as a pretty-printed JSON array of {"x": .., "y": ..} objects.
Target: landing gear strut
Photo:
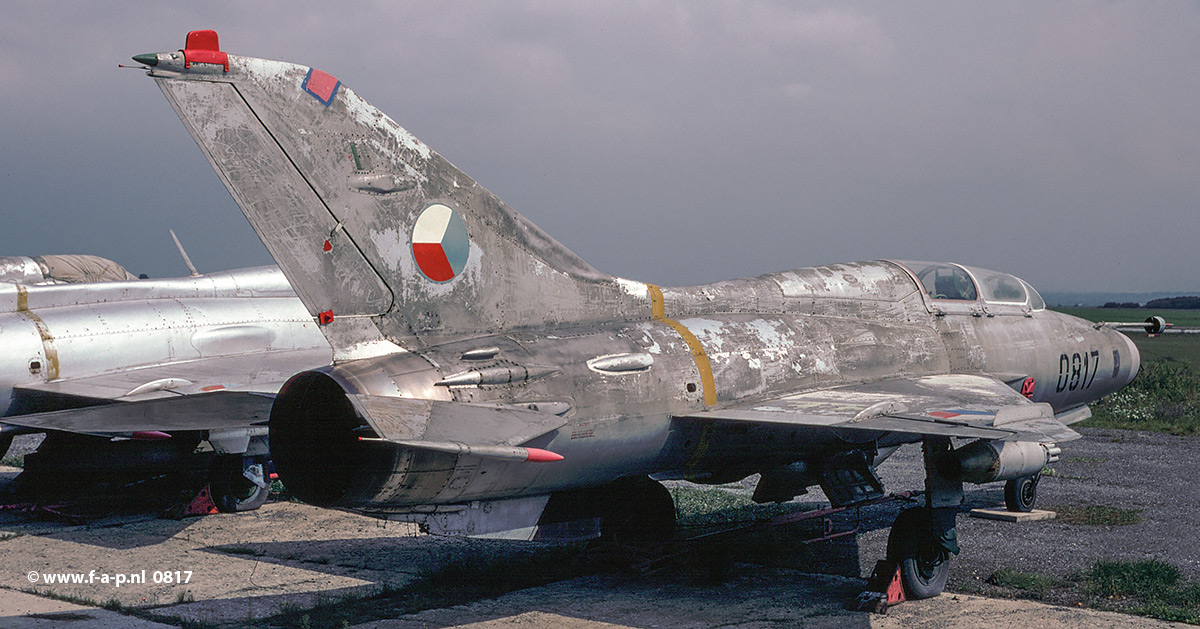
[
  {"x": 239, "y": 482},
  {"x": 923, "y": 539},
  {"x": 921, "y": 542}
]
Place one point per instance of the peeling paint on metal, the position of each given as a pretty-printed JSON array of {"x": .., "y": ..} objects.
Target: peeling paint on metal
[
  {"x": 634, "y": 288},
  {"x": 48, "y": 346}
]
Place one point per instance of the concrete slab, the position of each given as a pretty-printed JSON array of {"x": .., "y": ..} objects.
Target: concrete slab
[
  {"x": 757, "y": 598},
  {"x": 1004, "y": 515},
  {"x": 234, "y": 566},
  {"x": 21, "y": 610}
]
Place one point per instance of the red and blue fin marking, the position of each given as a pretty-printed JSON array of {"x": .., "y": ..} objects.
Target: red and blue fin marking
[{"x": 322, "y": 85}]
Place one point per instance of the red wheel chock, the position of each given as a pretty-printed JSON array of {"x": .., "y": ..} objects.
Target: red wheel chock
[
  {"x": 884, "y": 589},
  {"x": 202, "y": 504}
]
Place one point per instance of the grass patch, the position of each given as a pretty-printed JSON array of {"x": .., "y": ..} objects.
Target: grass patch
[
  {"x": 1147, "y": 588},
  {"x": 697, "y": 508},
  {"x": 278, "y": 492},
  {"x": 1098, "y": 515},
  {"x": 14, "y": 460},
  {"x": 1134, "y": 315},
  {"x": 1030, "y": 584},
  {"x": 1165, "y": 397}
]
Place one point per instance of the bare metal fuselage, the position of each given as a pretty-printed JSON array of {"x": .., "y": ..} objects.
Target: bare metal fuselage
[
  {"x": 61, "y": 340},
  {"x": 801, "y": 330}
]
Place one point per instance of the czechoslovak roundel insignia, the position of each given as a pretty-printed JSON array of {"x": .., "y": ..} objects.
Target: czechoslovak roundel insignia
[{"x": 439, "y": 243}]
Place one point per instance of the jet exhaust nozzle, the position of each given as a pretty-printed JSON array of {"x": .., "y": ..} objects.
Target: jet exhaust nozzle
[{"x": 985, "y": 461}]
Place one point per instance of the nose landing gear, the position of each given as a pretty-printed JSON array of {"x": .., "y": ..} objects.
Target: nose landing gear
[{"x": 1020, "y": 494}]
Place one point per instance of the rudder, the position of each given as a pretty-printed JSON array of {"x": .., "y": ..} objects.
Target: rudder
[{"x": 370, "y": 225}]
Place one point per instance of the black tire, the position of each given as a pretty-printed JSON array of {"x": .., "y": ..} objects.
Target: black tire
[
  {"x": 231, "y": 490},
  {"x": 1020, "y": 494},
  {"x": 923, "y": 570},
  {"x": 639, "y": 510}
]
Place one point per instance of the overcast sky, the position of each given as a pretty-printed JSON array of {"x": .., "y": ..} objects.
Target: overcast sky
[{"x": 672, "y": 142}]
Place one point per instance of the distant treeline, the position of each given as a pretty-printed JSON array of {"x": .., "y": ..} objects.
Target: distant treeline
[{"x": 1166, "y": 303}]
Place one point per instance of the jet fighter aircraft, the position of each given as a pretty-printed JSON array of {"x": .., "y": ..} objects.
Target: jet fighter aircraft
[
  {"x": 92, "y": 362},
  {"x": 486, "y": 380}
]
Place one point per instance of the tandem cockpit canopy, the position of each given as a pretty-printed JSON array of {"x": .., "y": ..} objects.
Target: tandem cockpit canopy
[{"x": 954, "y": 282}]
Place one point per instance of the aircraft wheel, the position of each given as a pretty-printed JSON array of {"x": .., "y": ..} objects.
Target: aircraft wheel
[
  {"x": 231, "y": 490},
  {"x": 1020, "y": 494},
  {"x": 923, "y": 567},
  {"x": 640, "y": 510}
]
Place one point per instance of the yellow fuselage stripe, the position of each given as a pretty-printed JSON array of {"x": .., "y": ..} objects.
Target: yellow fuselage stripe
[
  {"x": 43, "y": 331},
  {"x": 658, "y": 310}
]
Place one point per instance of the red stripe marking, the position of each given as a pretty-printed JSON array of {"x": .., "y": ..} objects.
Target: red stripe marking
[
  {"x": 432, "y": 260},
  {"x": 943, "y": 414},
  {"x": 213, "y": 387}
]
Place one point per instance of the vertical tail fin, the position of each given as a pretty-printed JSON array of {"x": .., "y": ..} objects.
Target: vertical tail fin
[{"x": 369, "y": 225}]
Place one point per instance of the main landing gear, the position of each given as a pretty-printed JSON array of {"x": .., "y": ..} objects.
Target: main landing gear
[
  {"x": 921, "y": 543},
  {"x": 923, "y": 539},
  {"x": 239, "y": 483}
]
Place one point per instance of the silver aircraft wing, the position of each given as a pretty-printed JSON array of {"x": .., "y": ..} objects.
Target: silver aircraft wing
[
  {"x": 950, "y": 405},
  {"x": 219, "y": 410},
  {"x": 204, "y": 394}
]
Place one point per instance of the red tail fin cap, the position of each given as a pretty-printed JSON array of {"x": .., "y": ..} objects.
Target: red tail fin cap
[{"x": 204, "y": 47}]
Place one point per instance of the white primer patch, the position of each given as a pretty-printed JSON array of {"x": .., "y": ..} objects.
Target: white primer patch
[
  {"x": 634, "y": 288},
  {"x": 369, "y": 349},
  {"x": 391, "y": 245},
  {"x": 367, "y": 115},
  {"x": 707, "y": 330}
]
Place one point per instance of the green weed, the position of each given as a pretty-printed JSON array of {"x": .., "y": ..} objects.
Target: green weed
[
  {"x": 1148, "y": 587},
  {"x": 1165, "y": 397},
  {"x": 1097, "y": 515},
  {"x": 1031, "y": 584}
]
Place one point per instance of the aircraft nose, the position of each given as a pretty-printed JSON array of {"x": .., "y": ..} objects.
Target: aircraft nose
[
  {"x": 147, "y": 59},
  {"x": 1135, "y": 359}
]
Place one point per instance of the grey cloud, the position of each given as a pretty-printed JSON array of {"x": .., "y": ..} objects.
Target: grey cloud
[{"x": 676, "y": 142}]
